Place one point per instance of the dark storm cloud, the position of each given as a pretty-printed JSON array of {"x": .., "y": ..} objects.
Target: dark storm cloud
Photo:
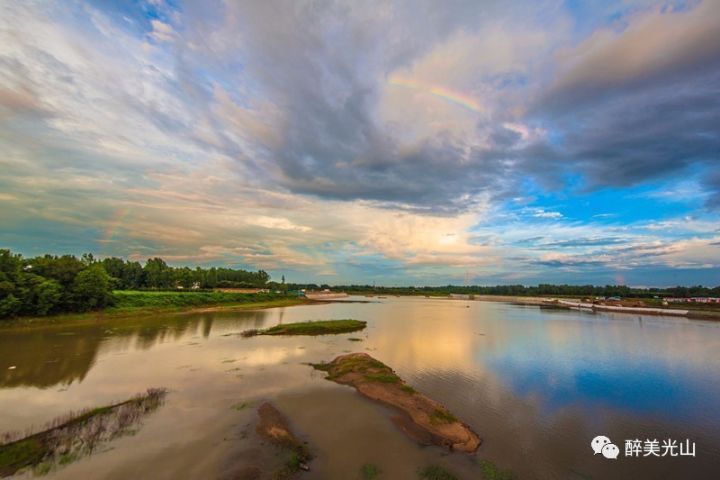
[
  {"x": 641, "y": 104},
  {"x": 619, "y": 109},
  {"x": 639, "y": 136},
  {"x": 324, "y": 69},
  {"x": 616, "y": 114}
]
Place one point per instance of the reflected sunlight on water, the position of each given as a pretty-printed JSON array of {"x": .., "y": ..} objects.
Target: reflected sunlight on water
[{"x": 536, "y": 384}]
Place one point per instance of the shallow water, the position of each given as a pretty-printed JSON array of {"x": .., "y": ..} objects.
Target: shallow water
[{"x": 537, "y": 385}]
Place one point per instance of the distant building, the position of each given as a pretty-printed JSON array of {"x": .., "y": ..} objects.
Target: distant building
[
  {"x": 242, "y": 290},
  {"x": 693, "y": 300},
  {"x": 460, "y": 296}
]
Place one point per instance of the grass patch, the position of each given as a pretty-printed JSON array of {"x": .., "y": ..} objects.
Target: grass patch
[
  {"x": 370, "y": 471},
  {"x": 69, "y": 438},
  {"x": 435, "y": 472},
  {"x": 408, "y": 389},
  {"x": 491, "y": 472},
  {"x": 134, "y": 299},
  {"x": 319, "y": 327},
  {"x": 355, "y": 339},
  {"x": 383, "y": 377},
  {"x": 292, "y": 465},
  {"x": 442, "y": 416},
  {"x": 241, "y": 405},
  {"x": 365, "y": 365},
  {"x": 21, "y": 454}
]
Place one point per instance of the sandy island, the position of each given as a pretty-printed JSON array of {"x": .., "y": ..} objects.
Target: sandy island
[{"x": 431, "y": 423}]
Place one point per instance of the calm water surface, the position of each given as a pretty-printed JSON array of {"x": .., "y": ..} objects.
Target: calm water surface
[{"x": 537, "y": 385}]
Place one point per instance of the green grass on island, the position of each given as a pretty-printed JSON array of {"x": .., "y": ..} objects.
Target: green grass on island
[
  {"x": 440, "y": 416},
  {"x": 313, "y": 327},
  {"x": 372, "y": 370}
]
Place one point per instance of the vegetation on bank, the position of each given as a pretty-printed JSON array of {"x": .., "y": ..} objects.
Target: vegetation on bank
[
  {"x": 70, "y": 438},
  {"x": 156, "y": 274},
  {"x": 163, "y": 300},
  {"x": 49, "y": 285},
  {"x": 313, "y": 327},
  {"x": 522, "y": 290}
]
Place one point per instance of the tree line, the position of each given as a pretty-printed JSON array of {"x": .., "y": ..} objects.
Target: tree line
[
  {"x": 522, "y": 290},
  {"x": 51, "y": 284},
  {"x": 158, "y": 275}
]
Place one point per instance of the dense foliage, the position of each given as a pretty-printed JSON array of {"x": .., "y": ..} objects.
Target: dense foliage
[
  {"x": 156, "y": 274},
  {"x": 54, "y": 284},
  {"x": 45, "y": 285}
]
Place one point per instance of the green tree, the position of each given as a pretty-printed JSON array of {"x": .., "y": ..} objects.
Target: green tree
[
  {"x": 48, "y": 297},
  {"x": 92, "y": 289},
  {"x": 10, "y": 306},
  {"x": 157, "y": 273}
]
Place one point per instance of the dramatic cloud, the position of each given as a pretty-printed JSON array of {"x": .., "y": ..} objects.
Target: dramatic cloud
[{"x": 405, "y": 141}]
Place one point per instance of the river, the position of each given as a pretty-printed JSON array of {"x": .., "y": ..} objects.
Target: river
[{"x": 536, "y": 384}]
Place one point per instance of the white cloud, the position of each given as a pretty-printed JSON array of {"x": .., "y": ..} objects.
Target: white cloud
[{"x": 162, "y": 32}]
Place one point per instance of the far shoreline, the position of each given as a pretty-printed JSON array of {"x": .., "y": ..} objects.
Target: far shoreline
[
  {"x": 568, "y": 303},
  {"x": 122, "y": 313}
]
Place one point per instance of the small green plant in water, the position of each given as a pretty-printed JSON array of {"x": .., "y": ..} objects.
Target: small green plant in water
[
  {"x": 490, "y": 471},
  {"x": 434, "y": 472},
  {"x": 242, "y": 405},
  {"x": 369, "y": 471},
  {"x": 17, "y": 455}
]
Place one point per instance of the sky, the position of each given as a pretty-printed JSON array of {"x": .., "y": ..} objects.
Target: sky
[{"x": 397, "y": 142}]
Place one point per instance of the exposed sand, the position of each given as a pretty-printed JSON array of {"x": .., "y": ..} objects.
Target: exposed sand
[{"x": 431, "y": 422}]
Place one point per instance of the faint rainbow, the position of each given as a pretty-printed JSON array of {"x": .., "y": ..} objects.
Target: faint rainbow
[
  {"x": 438, "y": 91},
  {"x": 114, "y": 224}
]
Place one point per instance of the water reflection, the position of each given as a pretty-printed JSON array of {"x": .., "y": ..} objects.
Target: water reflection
[
  {"x": 536, "y": 384},
  {"x": 45, "y": 357}
]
